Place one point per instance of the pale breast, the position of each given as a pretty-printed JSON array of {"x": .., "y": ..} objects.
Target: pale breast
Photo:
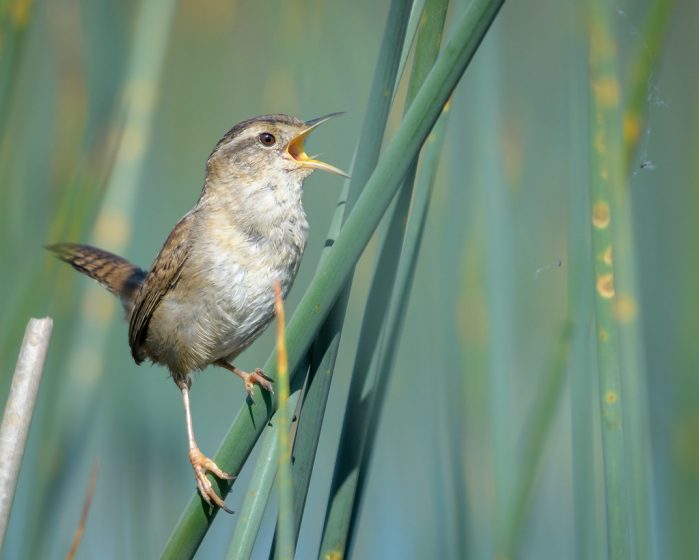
[
  {"x": 244, "y": 305},
  {"x": 240, "y": 268},
  {"x": 240, "y": 244},
  {"x": 220, "y": 305}
]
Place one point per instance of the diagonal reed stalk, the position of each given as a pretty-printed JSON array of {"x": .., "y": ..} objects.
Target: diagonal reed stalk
[
  {"x": 324, "y": 351},
  {"x": 416, "y": 10},
  {"x": 334, "y": 272},
  {"x": 249, "y": 518},
  {"x": 414, "y": 230},
  {"x": 385, "y": 307}
]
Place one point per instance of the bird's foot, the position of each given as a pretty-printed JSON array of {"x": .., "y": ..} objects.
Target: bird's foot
[
  {"x": 257, "y": 377},
  {"x": 201, "y": 465}
]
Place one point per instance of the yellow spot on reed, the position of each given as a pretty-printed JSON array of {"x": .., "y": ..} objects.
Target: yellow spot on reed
[
  {"x": 625, "y": 308},
  {"x": 632, "y": 127},
  {"x": 600, "y": 215},
  {"x": 607, "y": 91},
  {"x": 605, "y": 285},
  {"x": 604, "y": 174},
  {"x": 611, "y": 397},
  {"x": 607, "y": 257},
  {"x": 334, "y": 555},
  {"x": 603, "y": 335},
  {"x": 113, "y": 228}
]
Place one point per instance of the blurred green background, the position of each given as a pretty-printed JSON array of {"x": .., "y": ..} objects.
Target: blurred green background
[{"x": 487, "y": 307}]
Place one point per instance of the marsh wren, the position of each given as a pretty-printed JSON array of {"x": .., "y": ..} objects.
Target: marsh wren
[{"x": 210, "y": 291}]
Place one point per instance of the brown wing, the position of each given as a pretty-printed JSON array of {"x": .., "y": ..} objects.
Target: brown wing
[{"x": 162, "y": 276}]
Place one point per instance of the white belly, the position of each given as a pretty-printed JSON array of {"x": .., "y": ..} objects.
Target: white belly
[
  {"x": 224, "y": 298},
  {"x": 221, "y": 317},
  {"x": 245, "y": 307},
  {"x": 241, "y": 279}
]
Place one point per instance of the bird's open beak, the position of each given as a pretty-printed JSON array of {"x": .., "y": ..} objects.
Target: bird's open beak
[{"x": 296, "y": 151}]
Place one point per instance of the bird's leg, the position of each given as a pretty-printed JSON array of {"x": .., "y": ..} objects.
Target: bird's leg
[
  {"x": 250, "y": 379},
  {"x": 200, "y": 462}
]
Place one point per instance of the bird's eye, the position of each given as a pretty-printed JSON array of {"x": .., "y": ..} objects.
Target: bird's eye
[{"x": 267, "y": 139}]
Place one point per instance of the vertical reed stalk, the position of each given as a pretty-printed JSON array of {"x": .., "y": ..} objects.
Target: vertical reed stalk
[
  {"x": 588, "y": 543},
  {"x": 637, "y": 105},
  {"x": 404, "y": 236},
  {"x": 334, "y": 272},
  {"x": 286, "y": 536},
  {"x": 324, "y": 351},
  {"x": 373, "y": 358},
  {"x": 606, "y": 185}
]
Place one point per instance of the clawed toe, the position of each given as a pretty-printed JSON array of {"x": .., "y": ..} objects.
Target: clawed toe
[
  {"x": 263, "y": 380},
  {"x": 257, "y": 377},
  {"x": 201, "y": 465}
]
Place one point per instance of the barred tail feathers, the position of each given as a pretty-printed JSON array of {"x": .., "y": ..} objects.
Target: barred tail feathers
[{"x": 116, "y": 274}]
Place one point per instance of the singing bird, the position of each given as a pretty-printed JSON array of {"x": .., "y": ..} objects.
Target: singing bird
[{"x": 210, "y": 291}]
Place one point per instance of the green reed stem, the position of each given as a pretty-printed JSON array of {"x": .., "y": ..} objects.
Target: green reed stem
[
  {"x": 606, "y": 184},
  {"x": 323, "y": 353},
  {"x": 644, "y": 62},
  {"x": 384, "y": 313},
  {"x": 249, "y": 518},
  {"x": 334, "y": 272}
]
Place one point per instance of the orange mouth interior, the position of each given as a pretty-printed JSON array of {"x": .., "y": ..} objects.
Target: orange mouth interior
[{"x": 296, "y": 150}]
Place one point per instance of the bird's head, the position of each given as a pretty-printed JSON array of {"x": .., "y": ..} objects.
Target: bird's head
[{"x": 267, "y": 149}]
